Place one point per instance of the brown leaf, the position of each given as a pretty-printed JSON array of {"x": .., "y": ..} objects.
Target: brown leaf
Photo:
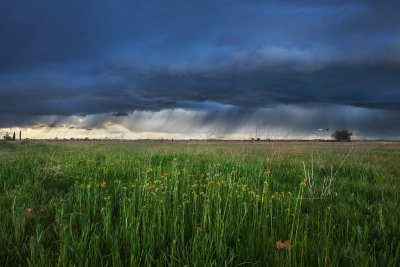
[
  {"x": 29, "y": 212},
  {"x": 285, "y": 245},
  {"x": 42, "y": 211}
]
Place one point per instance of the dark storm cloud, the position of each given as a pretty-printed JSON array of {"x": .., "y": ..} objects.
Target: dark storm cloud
[
  {"x": 120, "y": 114},
  {"x": 64, "y": 58}
]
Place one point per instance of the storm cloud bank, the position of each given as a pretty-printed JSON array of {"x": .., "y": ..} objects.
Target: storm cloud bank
[
  {"x": 225, "y": 122},
  {"x": 223, "y": 68}
]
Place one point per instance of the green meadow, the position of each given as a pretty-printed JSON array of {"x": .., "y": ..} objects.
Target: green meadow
[{"x": 200, "y": 204}]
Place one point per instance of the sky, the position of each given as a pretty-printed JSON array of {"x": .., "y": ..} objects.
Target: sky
[{"x": 200, "y": 69}]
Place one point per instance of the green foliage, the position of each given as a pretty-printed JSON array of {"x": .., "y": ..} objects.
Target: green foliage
[
  {"x": 342, "y": 135},
  {"x": 6, "y": 145},
  {"x": 140, "y": 204}
]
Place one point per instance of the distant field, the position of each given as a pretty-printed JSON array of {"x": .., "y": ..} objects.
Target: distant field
[{"x": 200, "y": 204}]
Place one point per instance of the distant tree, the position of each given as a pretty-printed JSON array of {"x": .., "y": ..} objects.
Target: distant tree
[
  {"x": 342, "y": 135},
  {"x": 7, "y": 137},
  {"x": 20, "y": 135},
  {"x": 14, "y": 136}
]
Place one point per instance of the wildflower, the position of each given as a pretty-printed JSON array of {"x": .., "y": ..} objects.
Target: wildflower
[
  {"x": 335, "y": 194},
  {"x": 272, "y": 196},
  {"x": 329, "y": 207},
  {"x": 82, "y": 186},
  {"x": 124, "y": 187},
  {"x": 103, "y": 184},
  {"x": 305, "y": 182}
]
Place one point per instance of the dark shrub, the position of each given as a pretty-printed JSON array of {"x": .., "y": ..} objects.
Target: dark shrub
[{"x": 342, "y": 135}]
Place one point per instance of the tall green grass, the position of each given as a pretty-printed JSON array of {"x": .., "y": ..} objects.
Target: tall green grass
[{"x": 196, "y": 204}]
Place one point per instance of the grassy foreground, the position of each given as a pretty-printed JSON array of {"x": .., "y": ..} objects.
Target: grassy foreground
[{"x": 157, "y": 204}]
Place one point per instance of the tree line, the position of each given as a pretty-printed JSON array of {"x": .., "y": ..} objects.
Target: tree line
[{"x": 12, "y": 138}]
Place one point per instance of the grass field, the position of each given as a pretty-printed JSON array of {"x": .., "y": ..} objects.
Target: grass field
[{"x": 200, "y": 204}]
